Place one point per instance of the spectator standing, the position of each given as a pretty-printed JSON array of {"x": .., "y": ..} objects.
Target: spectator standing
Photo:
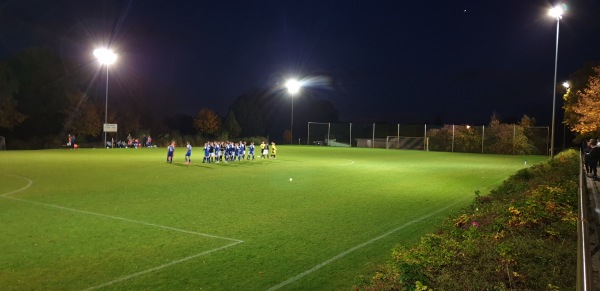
[
  {"x": 587, "y": 158},
  {"x": 594, "y": 157}
]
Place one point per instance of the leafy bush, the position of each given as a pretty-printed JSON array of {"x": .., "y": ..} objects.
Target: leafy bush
[{"x": 521, "y": 236}]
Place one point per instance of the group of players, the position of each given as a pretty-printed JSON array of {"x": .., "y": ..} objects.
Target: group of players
[{"x": 216, "y": 152}]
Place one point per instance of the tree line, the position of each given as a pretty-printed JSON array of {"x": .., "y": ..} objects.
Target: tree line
[{"x": 43, "y": 97}]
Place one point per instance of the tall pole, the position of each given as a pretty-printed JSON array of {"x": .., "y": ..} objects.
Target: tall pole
[
  {"x": 554, "y": 91},
  {"x": 292, "y": 86},
  {"x": 292, "y": 125},
  {"x": 105, "y": 57},
  {"x": 557, "y": 14},
  {"x": 106, "y": 106}
]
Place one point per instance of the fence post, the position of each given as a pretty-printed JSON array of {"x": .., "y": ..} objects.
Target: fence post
[
  {"x": 514, "y": 137},
  {"x": 373, "y": 141},
  {"x": 350, "y": 134},
  {"x": 328, "y": 130},
  {"x": 452, "y": 137},
  {"x": 482, "y": 137},
  {"x": 547, "y": 140},
  {"x": 425, "y": 146},
  {"x": 308, "y": 135}
]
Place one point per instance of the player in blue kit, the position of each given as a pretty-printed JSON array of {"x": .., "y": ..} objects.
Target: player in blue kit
[
  {"x": 206, "y": 153},
  {"x": 170, "y": 151},
  {"x": 217, "y": 152},
  {"x": 229, "y": 152},
  {"x": 251, "y": 151},
  {"x": 242, "y": 151},
  {"x": 188, "y": 154}
]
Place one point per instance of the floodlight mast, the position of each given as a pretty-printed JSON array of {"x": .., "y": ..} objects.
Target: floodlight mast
[
  {"x": 293, "y": 86},
  {"x": 556, "y": 13},
  {"x": 105, "y": 57}
]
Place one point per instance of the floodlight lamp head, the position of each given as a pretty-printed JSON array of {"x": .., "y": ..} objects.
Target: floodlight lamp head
[
  {"x": 293, "y": 86},
  {"x": 105, "y": 56},
  {"x": 556, "y": 12}
]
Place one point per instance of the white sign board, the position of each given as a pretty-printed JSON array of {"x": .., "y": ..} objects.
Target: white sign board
[{"x": 109, "y": 127}]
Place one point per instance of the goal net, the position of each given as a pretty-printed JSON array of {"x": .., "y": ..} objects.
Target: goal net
[
  {"x": 407, "y": 142},
  {"x": 328, "y": 134}
]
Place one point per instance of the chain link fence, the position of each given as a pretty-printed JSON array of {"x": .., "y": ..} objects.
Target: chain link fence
[{"x": 491, "y": 139}]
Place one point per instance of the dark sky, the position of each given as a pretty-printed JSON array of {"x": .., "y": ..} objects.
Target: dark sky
[{"x": 397, "y": 61}]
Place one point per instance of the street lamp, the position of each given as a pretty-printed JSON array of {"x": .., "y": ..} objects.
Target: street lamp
[
  {"x": 105, "y": 57},
  {"x": 567, "y": 86},
  {"x": 293, "y": 86},
  {"x": 556, "y": 13}
]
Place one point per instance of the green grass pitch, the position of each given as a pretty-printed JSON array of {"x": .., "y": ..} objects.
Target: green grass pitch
[{"x": 100, "y": 219}]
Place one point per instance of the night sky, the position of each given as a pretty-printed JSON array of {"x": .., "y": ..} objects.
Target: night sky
[{"x": 395, "y": 61}]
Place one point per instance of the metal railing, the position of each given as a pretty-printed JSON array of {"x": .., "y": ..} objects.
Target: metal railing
[{"x": 584, "y": 276}]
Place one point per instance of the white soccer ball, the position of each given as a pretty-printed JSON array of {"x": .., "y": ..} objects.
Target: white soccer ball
[{"x": 290, "y": 179}]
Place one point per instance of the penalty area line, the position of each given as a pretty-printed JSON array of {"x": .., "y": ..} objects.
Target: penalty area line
[
  {"x": 30, "y": 182},
  {"x": 125, "y": 219},
  {"x": 343, "y": 254},
  {"x": 157, "y": 268},
  {"x": 153, "y": 269}
]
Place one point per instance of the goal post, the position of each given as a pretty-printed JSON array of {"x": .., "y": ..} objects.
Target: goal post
[
  {"x": 318, "y": 133},
  {"x": 407, "y": 142}
]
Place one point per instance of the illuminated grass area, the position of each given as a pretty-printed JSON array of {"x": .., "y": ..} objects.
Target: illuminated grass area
[{"x": 125, "y": 219}]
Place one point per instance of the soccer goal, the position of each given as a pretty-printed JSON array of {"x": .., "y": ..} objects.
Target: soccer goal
[
  {"x": 407, "y": 142},
  {"x": 326, "y": 133}
]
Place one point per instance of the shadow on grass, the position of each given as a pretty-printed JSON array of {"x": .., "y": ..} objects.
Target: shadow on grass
[{"x": 192, "y": 165}]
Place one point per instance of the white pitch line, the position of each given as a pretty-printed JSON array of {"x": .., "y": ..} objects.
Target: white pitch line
[
  {"x": 125, "y": 219},
  {"x": 124, "y": 278},
  {"x": 343, "y": 254},
  {"x": 29, "y": 183},
  {"x": 345, "y": 164},
  {"x": 127, "y": 277}
]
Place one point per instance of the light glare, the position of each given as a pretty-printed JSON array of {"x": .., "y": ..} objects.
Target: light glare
[
  {"x": 556, "y": 12},
  {"x": 293, "y": 86},
  {"x": 566, "y": 85},
  {"x": 105, "y": 56}
]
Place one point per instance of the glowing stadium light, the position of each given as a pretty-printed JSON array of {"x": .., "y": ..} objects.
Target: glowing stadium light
[
  {"x": 293, "y": 86},
  {"x": 556, "y": 12},
  {"x": 105, "y": 56}
]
